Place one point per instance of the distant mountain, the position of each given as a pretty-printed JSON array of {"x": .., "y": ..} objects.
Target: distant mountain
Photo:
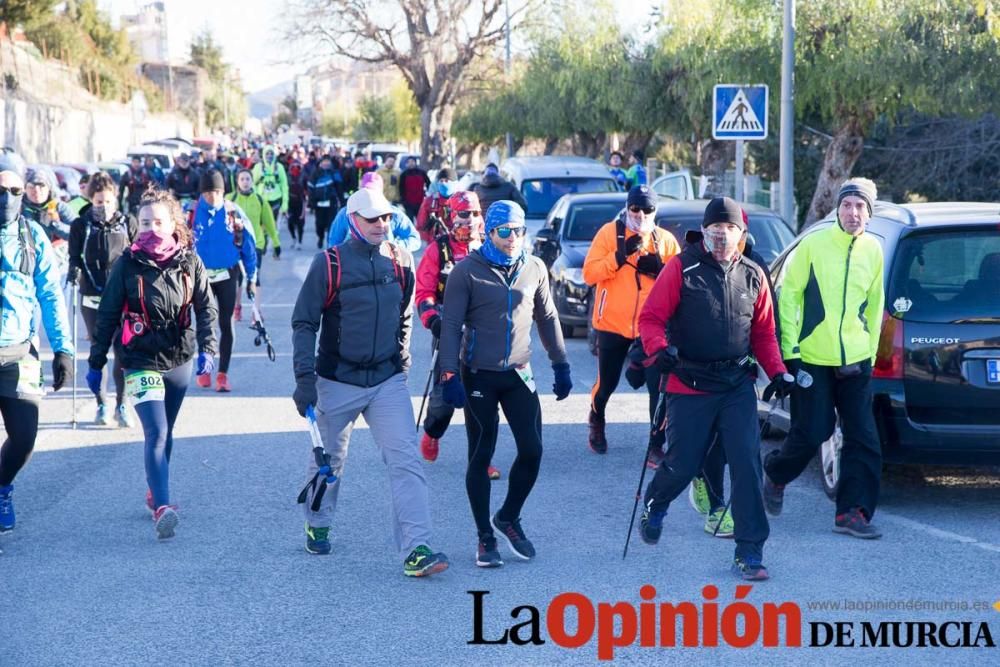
[{"x": 263, "y": 103}]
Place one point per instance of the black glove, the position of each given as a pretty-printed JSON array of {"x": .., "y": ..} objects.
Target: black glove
[
  {"x": 305, "y": 394},
  {"x": 667, "y": 359},
  {"x": 251, "y": 290},
  {"x": 649, "y": 264},
  {"x": 633, "y": 243},
  {"x": 73, "y": 275},
  {"x": 62, "y": 370},
  {"x": 781, "y": 385},
  {"x": 277, "y": 252},
  {"x": 793, "y": 366},
  {"x": 435, "y": 326}
]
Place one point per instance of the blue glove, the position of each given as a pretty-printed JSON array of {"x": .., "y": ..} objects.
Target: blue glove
[
  {"x": 453, "y": 392},
  {"x": 206, "y": 363},
  {"x": 563, "y": 382},
  {"x": 94, "y": 380}
]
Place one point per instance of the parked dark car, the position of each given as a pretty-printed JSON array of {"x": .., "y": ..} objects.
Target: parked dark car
[
  {"x": 573, "y": 222},
  {"x": 936, "y": 380}
]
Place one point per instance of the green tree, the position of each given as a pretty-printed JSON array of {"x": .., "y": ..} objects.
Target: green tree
[
  {"x": 20, "y": 12},
  {"x": 225, "y": 96},
  {"x": 376, "y": 121}
]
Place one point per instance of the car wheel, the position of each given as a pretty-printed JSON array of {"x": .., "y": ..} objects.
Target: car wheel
[{"x": 829, "y": 453}]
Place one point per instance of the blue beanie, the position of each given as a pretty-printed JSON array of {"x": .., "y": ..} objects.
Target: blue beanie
[{"x": 504, "y": 212}]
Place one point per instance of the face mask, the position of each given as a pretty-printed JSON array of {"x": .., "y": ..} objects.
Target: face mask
[
  {"x": 721, "y": 245},
  {"x": 99, "y": 214},
  {"x": 637, "y": 223},
  {"x": 445, "y": 189},
  {"x": 462, "y": 233},
  {"x": 10, "y": 208}
]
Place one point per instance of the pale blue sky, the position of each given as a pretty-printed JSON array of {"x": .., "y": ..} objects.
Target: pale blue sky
[{"x": 247, "y": 30}]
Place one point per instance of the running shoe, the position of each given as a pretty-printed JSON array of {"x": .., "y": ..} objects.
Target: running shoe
[
  {"x": 124, "y": 417},
  {"x": 651, "y": 524},
  {"x": 698, "y": 496},
  {"x": 165, "y": 521},
  {"x": 150, "y": 507},
  {"x": 6, "y": 509},
  {"x": 488, "y": 555},
  {"x": 596, "y": 438},
  {"x": 102, "y": 418},
  {"x": 429, "y": 448},
  {"x": 493, "y": 472},
  {"x": 719, "y": 523},
  {"x": 422, "y": 562},
  {"x": 204, "y": 381},
  {"x": 774, "y": 496},
  {"x": 222, "y": 383},
  {"x": 749, "y": 568},
  {"x": 317, "y": 540},
  {"x": 854, "y": 523},
  {"x": 238, "y": 312},
  {"x": 512, "y": 533}
]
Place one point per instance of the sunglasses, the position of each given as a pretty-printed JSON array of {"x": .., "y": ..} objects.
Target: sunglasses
[
  {"x": 505, "y": 232},
  {"x": 465, "y": 215},
  {"x": 13, "y": 190},
  {"x": 382, "y": 218},
  {"x": 642, "y": 209}
]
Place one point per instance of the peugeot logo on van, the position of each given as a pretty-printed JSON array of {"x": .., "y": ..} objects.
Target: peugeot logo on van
[{"x": 934, "y": 341}]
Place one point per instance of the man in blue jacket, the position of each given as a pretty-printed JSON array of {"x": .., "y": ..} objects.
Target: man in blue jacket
[
  {"x": 401, "y": 229},
  {"x": 222, "y": 237},
  {"x": 29, "y": 279}
]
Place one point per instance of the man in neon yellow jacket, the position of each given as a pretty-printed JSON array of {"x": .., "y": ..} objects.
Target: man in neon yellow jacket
[
  {"x": 830, "y": 309},
  {"x": 271, "y": 181}
]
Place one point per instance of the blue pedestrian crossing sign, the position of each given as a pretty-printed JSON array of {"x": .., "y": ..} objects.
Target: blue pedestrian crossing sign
[{"x": 739, "y": 112}]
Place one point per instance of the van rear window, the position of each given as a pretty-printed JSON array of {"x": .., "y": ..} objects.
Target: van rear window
[
  {"x": 543, "y": 193},
  {"x": 947, "y": 276}
]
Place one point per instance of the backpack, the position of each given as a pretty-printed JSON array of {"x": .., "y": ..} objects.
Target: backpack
[
  {"x": 102, "y": 264},
  {"x": 137, "y": 324},
  {"x": 333, "y": 284}
]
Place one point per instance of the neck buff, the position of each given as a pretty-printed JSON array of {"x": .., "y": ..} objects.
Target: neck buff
[
  {"x": 156, "y": 245},
  {"x": 355, "y": 232},
  {"x": 495, "y": 256}
]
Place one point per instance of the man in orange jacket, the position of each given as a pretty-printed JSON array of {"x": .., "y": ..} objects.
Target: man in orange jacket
[{"x": 622, "y": 264}]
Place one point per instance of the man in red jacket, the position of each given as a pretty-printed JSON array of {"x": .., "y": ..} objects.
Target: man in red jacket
[
  {"x": 465, "y": 233},
  {"x": 708, "y": 316},
  {"x": 413, "y": 183}
]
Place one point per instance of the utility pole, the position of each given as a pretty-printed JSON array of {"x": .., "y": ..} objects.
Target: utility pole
[
  {"x": 786, "y": 168},
  {"x": 506, "y": 7}
]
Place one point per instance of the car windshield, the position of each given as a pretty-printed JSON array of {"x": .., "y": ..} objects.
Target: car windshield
[
  {"x": 947, "y": 276},
  {"x": 584, "y": 220},
  {"x": 541, "y": 194},
  {"x": 770, "y": 234}
]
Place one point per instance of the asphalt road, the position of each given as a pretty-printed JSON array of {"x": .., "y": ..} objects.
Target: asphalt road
[{"x": 84, "y": 581}]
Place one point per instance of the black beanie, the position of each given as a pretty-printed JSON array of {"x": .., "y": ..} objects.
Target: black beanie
[
  {"x": 642, "y": 196},
  {"x": 211, "y": 180},
  {"x": 724, "y": 209}
]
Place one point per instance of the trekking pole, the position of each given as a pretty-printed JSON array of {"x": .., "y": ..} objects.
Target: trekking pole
[
  {"x": 427, "y": 386},
  {"x": 75, "y": 292},
  {"x": 257, "y": 325},
  {"x": 324, "y": 476},
  {"x": 654, "y": 427}
]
